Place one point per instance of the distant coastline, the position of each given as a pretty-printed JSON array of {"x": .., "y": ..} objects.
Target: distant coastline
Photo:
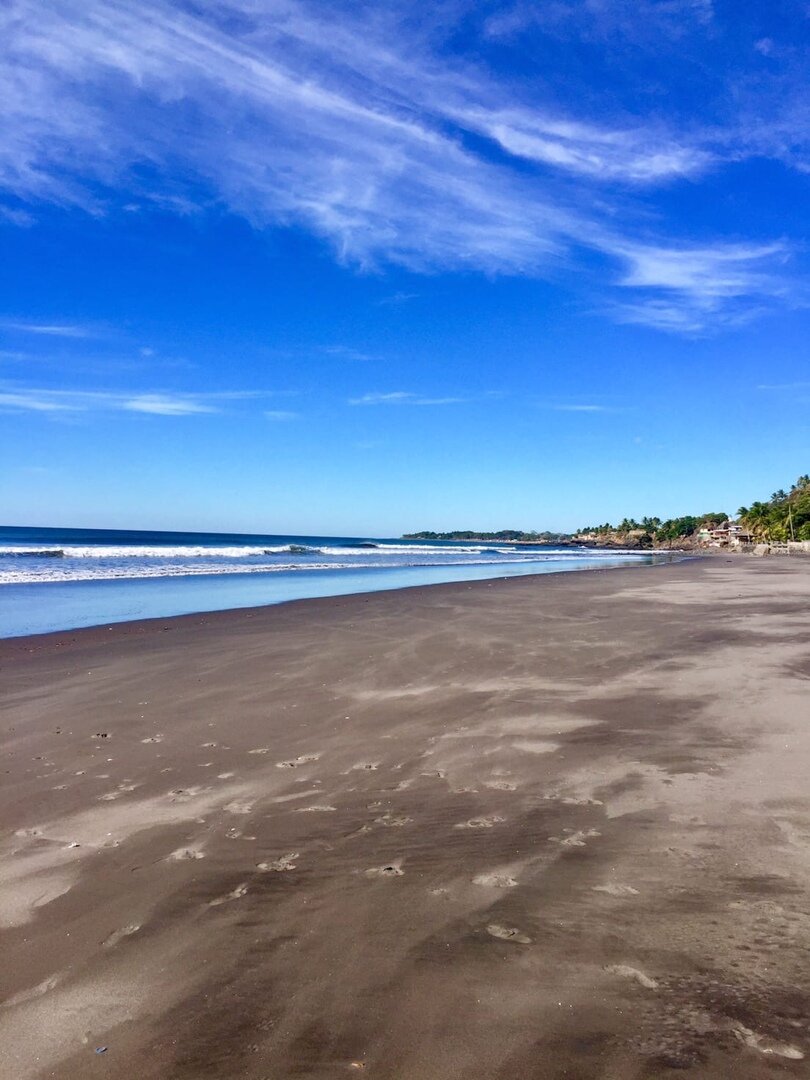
[
  {"x": 511, "y": 536},
  {"x": 784, "y": 518},
  {"x": 608, "y": 537}
]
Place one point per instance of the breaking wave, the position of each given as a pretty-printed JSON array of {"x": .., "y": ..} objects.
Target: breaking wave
[{"x": 38, "y": 562}]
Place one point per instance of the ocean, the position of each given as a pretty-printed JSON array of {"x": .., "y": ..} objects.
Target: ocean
[{"x": 61, "y": 579}]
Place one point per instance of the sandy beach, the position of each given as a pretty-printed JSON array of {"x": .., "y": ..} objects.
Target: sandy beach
[{"x": 543, "y": 828}]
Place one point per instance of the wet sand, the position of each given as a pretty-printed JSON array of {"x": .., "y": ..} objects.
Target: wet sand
[{"x": 545, "y": 828}]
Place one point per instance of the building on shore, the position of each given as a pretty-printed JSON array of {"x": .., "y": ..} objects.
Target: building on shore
[{"x": 726, "y": 534}]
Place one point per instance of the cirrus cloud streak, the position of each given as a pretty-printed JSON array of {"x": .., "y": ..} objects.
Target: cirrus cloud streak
[{"x": 357, "y": 127}]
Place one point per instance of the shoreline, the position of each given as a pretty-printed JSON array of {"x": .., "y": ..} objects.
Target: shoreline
[
  {"x": 253, "y": 610},
  {"x": 540, "y": 827}
]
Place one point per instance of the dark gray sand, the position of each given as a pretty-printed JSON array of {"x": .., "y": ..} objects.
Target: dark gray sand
[{"x": 551, "y": 827}]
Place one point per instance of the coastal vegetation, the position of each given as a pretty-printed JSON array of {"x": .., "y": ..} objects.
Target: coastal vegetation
[
  {"x": 509, "y": 535},
  {"x": 785, "y": 516},
  {"x": 654, "y": 529}
]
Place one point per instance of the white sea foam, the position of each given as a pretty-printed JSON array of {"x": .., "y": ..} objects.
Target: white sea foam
[
  {"x": 37, "y": 563},
  {"x": 137, "y": 551},
  {"x": 122, "y": 571},
  {"x": 119, "y": 572}
]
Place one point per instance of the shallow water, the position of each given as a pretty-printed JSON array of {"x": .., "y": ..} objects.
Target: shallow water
[{"x": 65, "y": 579}]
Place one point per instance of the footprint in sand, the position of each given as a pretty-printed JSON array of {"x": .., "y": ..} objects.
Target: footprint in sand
[
  {"x": 315, "y": 809},
  {"x": 234, "y": 894},
  {"x": 613, "y": 888},
  {"x": 33, "y": 992},
  {"x": 183, "y": 794},
  {"x": 186, "y": 853},
  {"x": 260, "y": 750},
  {"x": 393, "y": 821},
  {"x": 393, "y": 869},
  {"x": 508, "y": 933},
  {"x": 153, "y": 738},
  {"x": 368, "y": 766},
  {"x": 766, "y": 1045},
  {"x": 119, "y": 935},
  {"x": 293, "y": 763},
  {"x": 208, "y": 745},
  {"x": 536, "y": 746},
  {"x": 576, "y": 839},
  {"x": 238, "y": 807},
  {"x": 285, "y": 862},
  {"x": 122, "y": 789},
  {"x": 480, "y": 822},
  {"x": 225, "y": 775},
  {"x": 688, "y": 819},
  {"x": 627, "y": 972},
  {"x": 500, "y": 785},
  {"x": 495, "y": 881}
]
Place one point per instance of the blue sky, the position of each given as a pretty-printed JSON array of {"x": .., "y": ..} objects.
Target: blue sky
[{"x": 281, "y": 266}]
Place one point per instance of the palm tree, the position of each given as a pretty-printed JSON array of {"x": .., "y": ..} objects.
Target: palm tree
[{"x": 757, "y": 519}]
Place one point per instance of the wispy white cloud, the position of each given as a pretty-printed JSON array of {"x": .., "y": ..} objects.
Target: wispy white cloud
[
  {"x": 165, "y": 405},
  {"x": 689, "y": 289},
  {"x": 632, "y": 156},
  {"x": 404, "y": 397},
  {"x": 61, "y": 330},
  {"x": 582, "y": 408},
  {"x": 397, "y": 298},
  {"x": 36, "y": 401},
  {"x": 354, "y": 125},
  {"x": 636, "y": 21},
  {"x": 15, "y": 216},
  {"x": 280, "y": 415},
  {"x": 347, "y": 352},
  {"x": 724, "y": 270},
  {"x": 40, "y": 400}
]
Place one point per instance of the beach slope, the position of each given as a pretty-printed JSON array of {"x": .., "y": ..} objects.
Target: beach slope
[{"x": 543, "y": 828}]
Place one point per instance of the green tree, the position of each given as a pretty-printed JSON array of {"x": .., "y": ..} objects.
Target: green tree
[{"x": 758, "y": 519}]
